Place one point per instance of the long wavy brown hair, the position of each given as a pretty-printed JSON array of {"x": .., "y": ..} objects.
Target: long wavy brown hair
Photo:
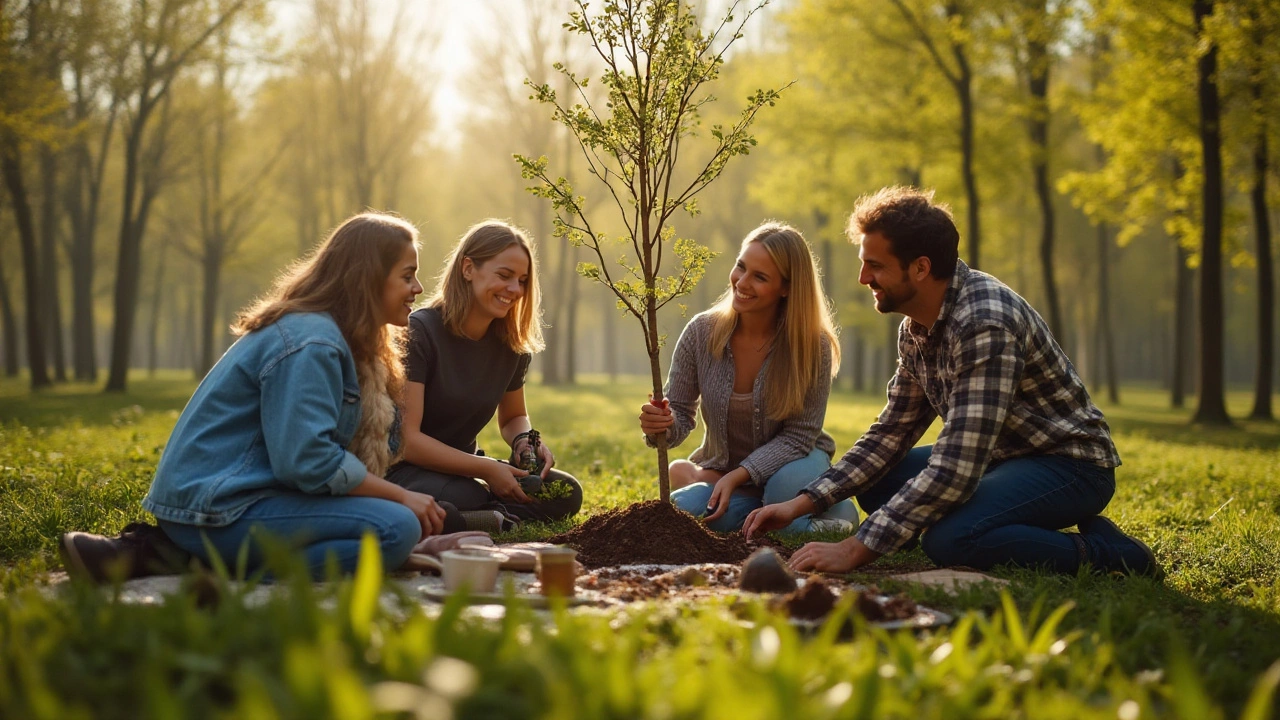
[
  {"x": 805, "y": 322},
  {"x": 345, "y": 277},
  {"x": 522, "y": 327}
]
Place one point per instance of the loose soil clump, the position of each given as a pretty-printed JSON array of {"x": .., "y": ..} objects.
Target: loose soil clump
[
  {"x": 816, "y": 598},
  {"x": 812, "y": 601},
  {"x": 654, "y": 532}
]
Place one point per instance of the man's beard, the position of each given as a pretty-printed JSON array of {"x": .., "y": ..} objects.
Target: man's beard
[{"x": 890, "y": 301}]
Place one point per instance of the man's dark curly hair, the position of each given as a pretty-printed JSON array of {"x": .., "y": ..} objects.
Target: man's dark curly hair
[{"x": 912, "y": 223}]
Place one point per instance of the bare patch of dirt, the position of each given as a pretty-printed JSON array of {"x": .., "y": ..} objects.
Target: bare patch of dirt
[
  {"x": 639, "y": 583},
  {"x": 656, "y": 532}
]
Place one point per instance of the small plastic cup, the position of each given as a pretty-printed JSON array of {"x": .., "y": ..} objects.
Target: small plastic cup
[{"x": 557, "y": 568}]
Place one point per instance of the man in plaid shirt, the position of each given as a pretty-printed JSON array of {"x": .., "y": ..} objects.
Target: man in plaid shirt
[{"x": 1023, "y": 452}]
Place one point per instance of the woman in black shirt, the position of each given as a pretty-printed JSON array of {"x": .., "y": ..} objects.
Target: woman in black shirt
[{"x": 469, "y": 353}]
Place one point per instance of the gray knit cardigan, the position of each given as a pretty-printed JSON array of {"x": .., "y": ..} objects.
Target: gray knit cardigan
[{"x": 695, "y": 373}]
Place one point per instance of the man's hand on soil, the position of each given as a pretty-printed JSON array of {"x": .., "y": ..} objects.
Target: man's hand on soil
[{"x": 842, "y": 557}]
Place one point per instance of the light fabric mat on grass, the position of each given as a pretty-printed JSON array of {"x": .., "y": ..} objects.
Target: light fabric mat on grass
[{"x": 948, "y": 579}]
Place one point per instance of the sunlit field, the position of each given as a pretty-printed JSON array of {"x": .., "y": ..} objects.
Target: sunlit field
[{"x": 1196, "y": 646}]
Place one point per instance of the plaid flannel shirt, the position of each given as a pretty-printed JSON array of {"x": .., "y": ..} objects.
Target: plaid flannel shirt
[{"x": 990, "y": 368}]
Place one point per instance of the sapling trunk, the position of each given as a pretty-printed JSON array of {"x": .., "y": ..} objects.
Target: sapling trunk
[{"x": 655, "y": 374}]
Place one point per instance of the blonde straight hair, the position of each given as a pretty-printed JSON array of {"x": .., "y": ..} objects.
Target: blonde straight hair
[
  {"x": 521, "y": 330},
  {"x": 805, "y": 323}
]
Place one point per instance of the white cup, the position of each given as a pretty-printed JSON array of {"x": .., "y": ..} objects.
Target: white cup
[{"x": 473, "y": 568}]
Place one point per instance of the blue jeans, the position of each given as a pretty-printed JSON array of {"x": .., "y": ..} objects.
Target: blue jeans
[
  {"x": 1015, "y": 514},
  {"x": 317, "y": 524},
  {"x": 780, "y": 487}
]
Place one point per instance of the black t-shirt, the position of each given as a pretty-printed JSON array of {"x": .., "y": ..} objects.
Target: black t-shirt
[{"x": 464, "y": 379}]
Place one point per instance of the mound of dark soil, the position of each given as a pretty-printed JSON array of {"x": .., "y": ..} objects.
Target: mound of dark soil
[{"x": 654, "y": 532}]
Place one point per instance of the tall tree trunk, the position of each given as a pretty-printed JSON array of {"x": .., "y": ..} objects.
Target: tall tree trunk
[
  {"x": 190, "y": 347},
  {"x": 964, "y": 92},
  {"x": 1183, "y": 330},
  {"x": 1212, "y": 408},
  {"x": 1266, "y": 278},
  {"x": 211, "y": 275},
  {"x": 153, "y": 326},
  {"x": 84, "y": 200},
  {"x": 1038, "y": 126},
  {"x": 50, "y": 302},
  {"x": 552, "y": 355},
  {"x": 128, "y": 266},
  {"x": 8, "y": 327},
  {"x": 11, "y": 166},
  {"x": 81, "y": 286},
  {"x": 571, "y": 321},
  {"x": 655, "y": 376},
  {"x": 857, "y": 356},
  {"x": 609, "y": 312},
  {"x": 1106, "y": 352}
]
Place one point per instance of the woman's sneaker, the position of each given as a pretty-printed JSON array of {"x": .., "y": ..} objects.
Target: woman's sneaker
[
  {"x": 1120, "y": 552},
  {"x": 490, "y": 521},
  {"x": 140, "y": 550},
  {"x": 831, "y": 525}
]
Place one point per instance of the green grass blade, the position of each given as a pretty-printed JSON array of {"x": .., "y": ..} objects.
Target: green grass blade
[
  {"x": 1260, "y": 704},
  {"x": 367, "y": 585}
]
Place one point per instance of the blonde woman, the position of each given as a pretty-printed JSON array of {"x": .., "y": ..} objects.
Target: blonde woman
[
  {"x": 293, "y": 428},
  {"x": 469, "y": 354},
  {"x": 760, "y": 363}
]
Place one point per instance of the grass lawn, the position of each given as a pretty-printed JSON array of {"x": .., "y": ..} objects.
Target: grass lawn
[{"x": 1199, "y": 645}]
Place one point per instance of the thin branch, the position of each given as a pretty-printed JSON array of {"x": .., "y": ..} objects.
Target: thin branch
[{"x": 923, "y": 34}]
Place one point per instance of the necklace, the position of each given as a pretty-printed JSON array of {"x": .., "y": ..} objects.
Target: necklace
[{"x": 767, "y": 342}]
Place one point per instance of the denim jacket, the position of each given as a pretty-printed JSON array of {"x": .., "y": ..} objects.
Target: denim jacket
[{"x": 273, "y": 416}]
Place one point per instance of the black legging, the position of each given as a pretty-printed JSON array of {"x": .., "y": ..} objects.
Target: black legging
[{"x": 470, "y": 494}]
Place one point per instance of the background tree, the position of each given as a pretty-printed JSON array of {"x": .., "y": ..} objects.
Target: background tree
[
  {"x": 521, "y": 51},
  {"x": 657, "y": 62},
  {"x": 94, "y": 56},
  {"x": 1245, "y": 32},
  {"x": 164, "y": 39},
  {"x": 1212, "y": 408},
  {"x": 945, "y": 31},
  {"x": 867, "y": 110},
  {"x": 1032, "y": 29},
  {"x": 8, "y": 323},
  {"x": 373, "y": 93},
  {"x": 29, "y": 104},
  {"x": 228, "y": 188},
  {"x": 1142, "y": 114}
]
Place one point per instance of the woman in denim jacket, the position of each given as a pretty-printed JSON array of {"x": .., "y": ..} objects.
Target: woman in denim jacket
[
  {"x": 761, "y": 361},
  {"x": 293, "y": 428}
]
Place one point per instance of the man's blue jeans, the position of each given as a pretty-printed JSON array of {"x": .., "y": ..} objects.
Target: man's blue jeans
[
  {"x": 1015, "y": 514},
  {"x": 780, "y": 487},
  {"x": 318, "y": 524}
]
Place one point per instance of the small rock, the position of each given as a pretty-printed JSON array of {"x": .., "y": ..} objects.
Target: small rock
[
  {"x": 764, "y": 572},
  {"x": 691, "y": 577}
]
